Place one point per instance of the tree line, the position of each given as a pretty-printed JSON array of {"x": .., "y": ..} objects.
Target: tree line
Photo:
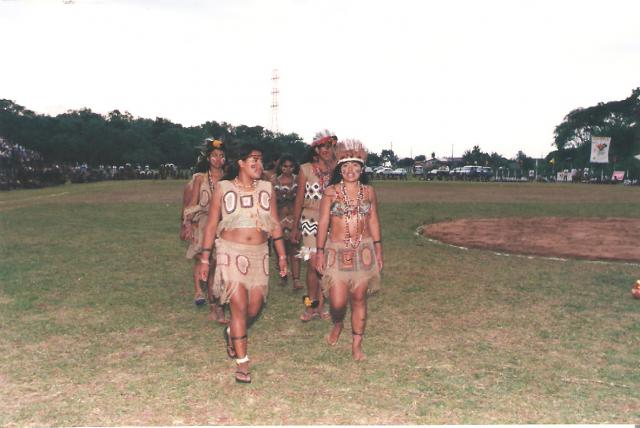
[{"x": 83, "y": 136}]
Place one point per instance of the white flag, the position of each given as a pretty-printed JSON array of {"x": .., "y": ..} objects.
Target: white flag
[{"x": 600, "y": 149}]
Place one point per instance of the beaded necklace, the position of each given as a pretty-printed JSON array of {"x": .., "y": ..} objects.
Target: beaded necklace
[
  {"x": 254, "y": 184},
  {"x": 351, "y": 210},
  {"x": 211, "y": 182},
  {"x": 324, "y": 177}
]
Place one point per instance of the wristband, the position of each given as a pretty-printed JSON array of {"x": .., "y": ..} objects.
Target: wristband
[{"x": 378, "y": 242}]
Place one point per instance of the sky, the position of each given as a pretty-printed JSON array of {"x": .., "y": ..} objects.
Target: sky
[{"x": 417, "y": 77}]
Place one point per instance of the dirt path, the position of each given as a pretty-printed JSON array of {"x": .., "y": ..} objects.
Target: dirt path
[{"x": 592, "y": 239}]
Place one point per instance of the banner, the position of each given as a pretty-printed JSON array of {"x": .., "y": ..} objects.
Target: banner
[
  {"x": 600, "y": 149},
  {"x": 617, "y": 176}
]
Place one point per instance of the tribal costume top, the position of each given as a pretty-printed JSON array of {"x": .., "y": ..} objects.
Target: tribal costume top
[
  {"x": 286, "y": 194},
  {"x": 316, "y": 183},
  {"x": 198, "y": 212},
  {"x": 246, "y": 208},
  {"x": 314, "y": 188}
]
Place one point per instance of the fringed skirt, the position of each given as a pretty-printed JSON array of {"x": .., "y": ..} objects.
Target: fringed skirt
[
  {"x": 240, "y": 265},
  {"x": 195, "y": 246},
  {"x": 354, "y": 266}
]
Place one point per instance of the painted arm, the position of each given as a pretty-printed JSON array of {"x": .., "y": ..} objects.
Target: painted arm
[{"x": 210, "y": 233}]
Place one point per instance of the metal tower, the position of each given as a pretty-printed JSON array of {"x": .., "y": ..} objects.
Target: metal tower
[{"x": 274, "y": 101}]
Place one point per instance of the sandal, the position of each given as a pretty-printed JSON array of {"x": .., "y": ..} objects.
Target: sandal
[
  {"x": 199, "y": 299},
  {"x": 241, "y": 376}
]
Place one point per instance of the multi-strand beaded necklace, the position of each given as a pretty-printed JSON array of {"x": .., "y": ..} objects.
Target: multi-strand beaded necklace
[
  {"x": 323, "y": 177},
  {"x": 352, "y": 209}
]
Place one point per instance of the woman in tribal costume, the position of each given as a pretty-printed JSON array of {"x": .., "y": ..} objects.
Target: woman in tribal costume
[
  {"x": 349, "y": 248},
  {"x": 286, "y": 188},
  {"x": 313, "y": 178},
  {"x": 198, "y": 198},
  {"x": 243, "y": 215}
]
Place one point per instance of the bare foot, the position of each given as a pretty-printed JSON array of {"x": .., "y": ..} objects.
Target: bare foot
[
  {"x": 216, "y": 313},
  {"x": 356, "y": 348},
  {"x": 334, "y": 334}
]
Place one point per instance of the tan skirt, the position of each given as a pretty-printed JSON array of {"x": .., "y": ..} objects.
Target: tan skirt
[
  {"x": 240, "y": 264},
  {"x": 195, "y": 246},
  {"x": 353, "y": 266}
]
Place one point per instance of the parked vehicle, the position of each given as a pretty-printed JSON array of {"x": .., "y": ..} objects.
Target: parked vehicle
[
  {"x": 438, "y": 174},
  {"x": 399, "y": 173}
]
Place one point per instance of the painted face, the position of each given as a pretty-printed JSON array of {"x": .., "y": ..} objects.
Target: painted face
[
  {"x": 217, "y": 158},
  {"x": 287, "y": 168},
  {"x": 252, "y": 165},
  {"x": 325, "y": 151},
  {"x": 351, "y": 171}
]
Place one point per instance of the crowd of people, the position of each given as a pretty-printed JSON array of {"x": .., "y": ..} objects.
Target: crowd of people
[
  {"x": 236, "y": 214},
  {"x": 22, "y": 168}
]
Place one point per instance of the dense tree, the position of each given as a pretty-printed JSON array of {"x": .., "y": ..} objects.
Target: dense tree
[
  {"x": 619, "y": 120},
  {"x": 475, "y": 156},
  {"x": 373, "y": 159},
  {"x": 82, "y": 136},
  {"x": 405, "y": 162},
  {"x": 388, "y": 155}
]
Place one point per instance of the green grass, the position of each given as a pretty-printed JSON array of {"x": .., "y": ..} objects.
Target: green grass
[{"x": 98, "y": 326}]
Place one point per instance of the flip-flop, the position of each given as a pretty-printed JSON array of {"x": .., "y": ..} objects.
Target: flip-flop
[{"x": 241, "y": 380}]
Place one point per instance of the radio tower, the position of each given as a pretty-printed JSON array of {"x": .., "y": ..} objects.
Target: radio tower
[{"x": 274, "y": 101}]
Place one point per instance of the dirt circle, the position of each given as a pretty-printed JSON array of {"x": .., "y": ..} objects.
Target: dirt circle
[{"x": 592, "y": 239}]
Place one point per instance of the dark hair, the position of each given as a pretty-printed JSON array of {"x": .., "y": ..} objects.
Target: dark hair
[
  {"x": 310, "y": 156},
  {"x": 284, "y": 158},
  {"x": 337, "y": 175},
  {"x": 238, "y": 152},
  {"x": 202, "y": 163}
]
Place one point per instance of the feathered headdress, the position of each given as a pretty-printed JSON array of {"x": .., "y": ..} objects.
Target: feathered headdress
[
  {"x": 351, "y": 150},
  {"x": 212, "y": 144},
  {"x": 324, "y": 137}
]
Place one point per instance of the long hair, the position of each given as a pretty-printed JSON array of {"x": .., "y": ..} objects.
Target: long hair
[
  {"x": 284, "y": 158},
  {"x": 337, "y": 175},
  {"x": 238, "y": 152}
]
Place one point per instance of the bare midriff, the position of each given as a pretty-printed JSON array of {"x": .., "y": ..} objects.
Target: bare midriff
[{"x": 247, "y": 236}]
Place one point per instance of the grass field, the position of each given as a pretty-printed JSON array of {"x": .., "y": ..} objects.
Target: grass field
[{"x": 98, "y": 327}]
